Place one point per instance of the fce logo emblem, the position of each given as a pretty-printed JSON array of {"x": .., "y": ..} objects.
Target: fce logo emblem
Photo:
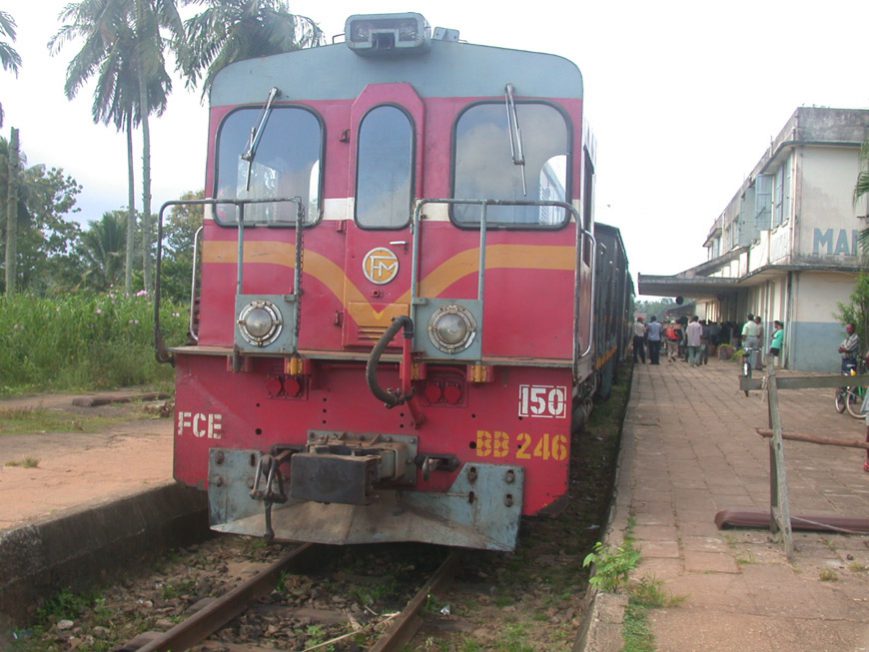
[{"x": 380, "y": 265}]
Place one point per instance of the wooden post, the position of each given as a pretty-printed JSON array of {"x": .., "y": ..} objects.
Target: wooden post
[{"x": 780, "y": 513}]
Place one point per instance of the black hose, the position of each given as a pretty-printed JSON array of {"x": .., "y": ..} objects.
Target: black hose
[{"x": 390, "y": 397}]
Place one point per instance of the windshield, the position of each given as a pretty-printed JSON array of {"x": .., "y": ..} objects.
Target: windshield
[
  {"x": 486, "y": 164},
  {"x": 286, "y": 163}
]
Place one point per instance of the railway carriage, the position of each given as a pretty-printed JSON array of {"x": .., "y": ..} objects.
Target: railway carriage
[{"x": 395, "y": 334}]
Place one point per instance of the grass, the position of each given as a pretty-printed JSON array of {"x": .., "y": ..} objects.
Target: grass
[
  {"x": 26, "y": 463},
  {"x": 81, "y": 341},
  {"x": 636, "y": 631},
  {"x": 828, "y": 575},
  {"x": 646, "y": 594},
  {"x": 43, "y": 420}
]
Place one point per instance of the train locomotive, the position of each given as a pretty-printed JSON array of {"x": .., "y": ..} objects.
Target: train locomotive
[{"x": 396, "y": 326}]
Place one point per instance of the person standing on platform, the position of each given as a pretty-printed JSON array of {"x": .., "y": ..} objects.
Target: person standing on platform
[
  {"x": 776, "y": 341},
  {"x": 759, "y": 322},
  {"x": 655, "y": 332},
  {"x": 694, "y": 333},
  {"x": 750, "y": 343},
  {"x": 849, "y": 349},
  {"x": 639, "y": 340},
  {"x": 673, "y": 335}
]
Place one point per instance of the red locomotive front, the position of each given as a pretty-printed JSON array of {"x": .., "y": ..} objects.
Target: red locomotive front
[{"x": 395, "y": 291}]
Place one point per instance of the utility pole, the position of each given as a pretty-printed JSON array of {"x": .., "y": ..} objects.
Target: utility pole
[{"x": 12, "y": 214}]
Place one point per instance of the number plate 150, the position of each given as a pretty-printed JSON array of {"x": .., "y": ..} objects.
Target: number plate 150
[{"x": 545, "y": 401}]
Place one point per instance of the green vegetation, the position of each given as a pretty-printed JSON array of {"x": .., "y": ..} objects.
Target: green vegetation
[
  {"x": 649, "y": 592},
  {"x": 612, "y": 564},
  {"x": 515, "y": 639},
  {"x": 828, "y": 575},
  {"x": 172, "y": 590},
  {"x": 27, "y": 463},
  {"x": 856, "y": 311},
  {"x": 646, "y": 594},
  {"x": 65, "y": 605},
  {"x": 31, "y": 420},
  {"x": 84, "y": 341},
  {"x": 637, "y": 633},
  {"x": 377, "y": 592}
]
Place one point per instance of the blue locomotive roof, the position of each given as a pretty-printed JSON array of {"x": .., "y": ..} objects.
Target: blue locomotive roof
[{"x": 445, "y": 69}]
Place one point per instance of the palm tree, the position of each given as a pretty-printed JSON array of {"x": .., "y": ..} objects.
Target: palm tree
[
  {"x": 9, "y": 58},
  {"x": 124, "y": 47},
  {"x": 108, "y": 53},
  {"x": 233, "y": 30},
  {"x": 101, "y": 248}
]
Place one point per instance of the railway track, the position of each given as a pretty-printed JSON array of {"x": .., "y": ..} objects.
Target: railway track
[{"x": 396, "y": 628}]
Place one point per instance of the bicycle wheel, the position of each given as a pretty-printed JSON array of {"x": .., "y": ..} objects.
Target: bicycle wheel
[
  {"x": 841, "y": 393},
  {"x": 854, "y": 404}
]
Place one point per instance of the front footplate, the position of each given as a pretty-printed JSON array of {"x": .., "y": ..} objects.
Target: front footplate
[{"x": 481, "y": 509}]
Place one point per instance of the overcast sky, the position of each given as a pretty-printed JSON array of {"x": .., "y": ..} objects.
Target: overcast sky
[{"x": 683, "y": 97}]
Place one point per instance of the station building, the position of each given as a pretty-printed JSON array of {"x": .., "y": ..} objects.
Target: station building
[{"x": 787, "y": 245}]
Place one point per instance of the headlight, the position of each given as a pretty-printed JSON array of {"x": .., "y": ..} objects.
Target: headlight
[
  {"x": 260, "y": 323},
  {"x": 452, "y": 328}
]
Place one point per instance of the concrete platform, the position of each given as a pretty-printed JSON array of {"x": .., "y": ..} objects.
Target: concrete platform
[
  {"x": 93, "y": 505},
  {"x": 689, "y": 449}
]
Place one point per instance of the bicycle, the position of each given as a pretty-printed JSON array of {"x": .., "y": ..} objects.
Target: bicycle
[{"x": 851, "y": 397}]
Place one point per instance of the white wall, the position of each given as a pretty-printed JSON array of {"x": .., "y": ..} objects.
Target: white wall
[{"x": 828, "y": 224}]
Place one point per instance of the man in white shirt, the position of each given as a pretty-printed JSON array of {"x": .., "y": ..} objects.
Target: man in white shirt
[
  {"x": 694, "y": 332},
  {"x": 640, "y": 340},
  {"x": 750, "y": 341}
]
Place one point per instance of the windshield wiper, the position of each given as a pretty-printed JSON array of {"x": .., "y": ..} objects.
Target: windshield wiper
[
  {"x": 516, "y": 150},
  {"x": 256, "y": 133}
]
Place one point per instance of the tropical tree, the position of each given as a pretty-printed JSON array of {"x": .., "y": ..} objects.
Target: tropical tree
[
  {"x": 861, "y": 189},
  {"x": 43, "y": 253},
  {"x": 9, "y": 58},
  {"x": 233, "y": 30},
  {"x": 124, "y": 47},
  {"x": 102, "y": 249},
  {"x": 179, "y": 234},
  {"x": 13, "y": 159}
]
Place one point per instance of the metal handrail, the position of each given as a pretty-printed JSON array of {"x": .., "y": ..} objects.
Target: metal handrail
[
  {"x": 190, "y": 330},
  {"x": 161, "y": 351},
  {"x": 593, "y": 242},
  {"x": 484, "y": 204}
]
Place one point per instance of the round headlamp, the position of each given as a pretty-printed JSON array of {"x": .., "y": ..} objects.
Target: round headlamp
[
  {"x": 452, "y": 328},
  {"x": 259, "y": 322}
]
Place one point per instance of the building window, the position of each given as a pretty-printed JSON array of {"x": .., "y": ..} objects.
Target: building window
[
  {"x": 486, "y": 168},
  {"x": 763, "y": 201},
  {"x": 384, "y": 165},
  {"x": 781, "y": 194}
]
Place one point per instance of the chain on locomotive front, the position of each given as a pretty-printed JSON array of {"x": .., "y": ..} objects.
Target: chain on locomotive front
[{"x": 395, "y": 288}]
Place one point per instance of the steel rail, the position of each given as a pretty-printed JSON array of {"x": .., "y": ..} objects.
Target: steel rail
[
  {"x": 211, "y": 618},
  {"x": 405, "y": 625}
]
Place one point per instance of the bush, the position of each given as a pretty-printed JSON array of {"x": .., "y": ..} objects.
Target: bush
[{"x": 82, "y": 341}]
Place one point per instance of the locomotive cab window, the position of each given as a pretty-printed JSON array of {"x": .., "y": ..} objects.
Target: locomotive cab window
[
  {"x": 384, "y": 164},
  {"x": 283, "y": 162},
  {"x": 518, "y": 153}
]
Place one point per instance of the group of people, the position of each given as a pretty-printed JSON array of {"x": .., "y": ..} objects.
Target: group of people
[
  {"x": 691, "y": 339},
  {"x": 683, "y": 340},
  {"x": 752, "y": 336}
]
